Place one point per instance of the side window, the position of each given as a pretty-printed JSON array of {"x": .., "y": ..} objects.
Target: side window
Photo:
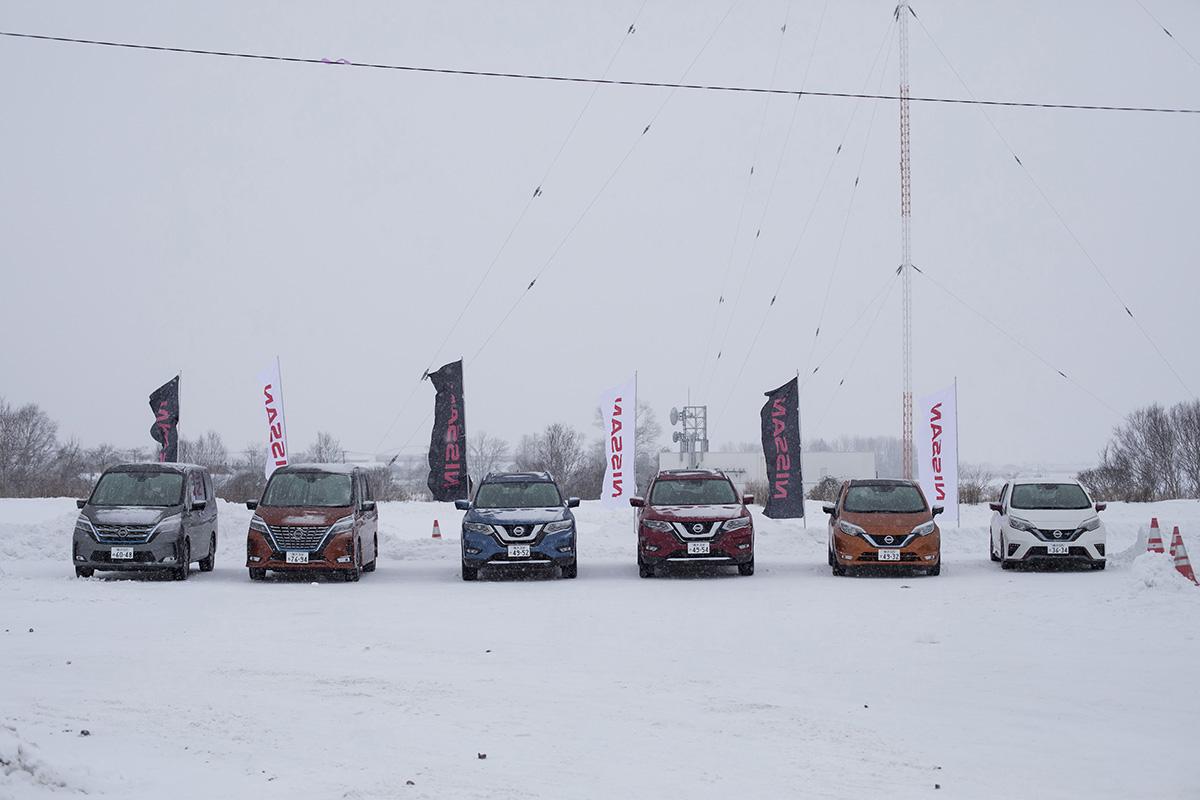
[
  {"x": 1004, "y": 494},
  {"x": 366, "y": 493},
  {"x": 208, "y": 486},
  {"x": 196, "y": 484}
]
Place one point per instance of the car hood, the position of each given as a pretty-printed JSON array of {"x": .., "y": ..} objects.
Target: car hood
[
  {"x": 515, "y": 516},
  {"x": 1053, "y": 519},
  {"x": 130, "y": 515},
  {"x": 303, "y": 517},
  {"x": 884, "y": 524},
  {"x": 691, "y": 513}
]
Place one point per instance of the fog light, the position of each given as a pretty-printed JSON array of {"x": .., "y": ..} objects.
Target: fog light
[
  {"x": 565, "y": 548},
  {"x": 744, "y": 546},
  {"x": 846, "y": 557},
  {"x": 653, "y": 548},
  {"x": 168, "y": 559},
  {"x": 79, "y": 558},
  {"x": 343, "y": 559},
  {"x": 930, "y": 558},
  {"x": 255, "y": 558},
  {"x": 473, "y": 551}
]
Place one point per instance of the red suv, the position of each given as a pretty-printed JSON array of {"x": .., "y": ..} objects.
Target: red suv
[{"x": 694, "y": 516}]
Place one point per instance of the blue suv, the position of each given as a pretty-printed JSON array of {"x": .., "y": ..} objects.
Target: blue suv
[{"x": 518, "y": 518}]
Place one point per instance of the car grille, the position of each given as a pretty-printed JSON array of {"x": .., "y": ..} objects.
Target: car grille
[
  {"x": 880, "y": 540},
  {"x": 299, "y": 537},
  {"x": 687, "y": 530},
  {"x": 874, "y": 558},
  {"x": 1064, "y": 534},
  {"x": 123, "y": 534}
]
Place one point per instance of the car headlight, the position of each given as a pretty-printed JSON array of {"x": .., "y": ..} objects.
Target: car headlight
[
  {"x": 657, "y": 525},
  {"x": 84, "y": 525},
  {"x": 257, "y": 524},
  {"x": 477, "y": 527},
  {"x": 560, "y": 526},
  {"x": 924, "y": 528},
  {"x": 1018, "y": 524},
  {"x": 342, "y": 525},
  {"x": 1090, "y": 524},
  {"x": 736, "y": 524},
  {"x": 172, "y": 524},
  {"x": 850, "y": 528}
]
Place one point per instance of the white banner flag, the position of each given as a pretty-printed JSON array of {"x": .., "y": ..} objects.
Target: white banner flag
[
  {"x": 936, "y": 432},
  {"x": 270, "y": 388},
  {"x": 618, "y": 407}
]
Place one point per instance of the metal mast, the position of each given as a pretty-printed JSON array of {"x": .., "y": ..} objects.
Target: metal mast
[{"x": 906, "y": 447}]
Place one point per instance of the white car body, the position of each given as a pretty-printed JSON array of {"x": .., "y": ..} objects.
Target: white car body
[{"x": 1069, "y": 535}]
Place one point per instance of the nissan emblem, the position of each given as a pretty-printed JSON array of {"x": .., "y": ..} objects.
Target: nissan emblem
[
  {"x": 519, "y": 530},
  {"x": 697, "y": 528},
  {"x": 1058, "y": 534},
  {"x": 889, "y": 539}
]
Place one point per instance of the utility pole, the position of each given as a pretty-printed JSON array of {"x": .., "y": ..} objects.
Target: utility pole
[{"x": 906, "y": 448}]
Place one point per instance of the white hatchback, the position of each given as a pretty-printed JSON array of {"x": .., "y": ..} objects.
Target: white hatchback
[{"x": 1047, "y": 522}]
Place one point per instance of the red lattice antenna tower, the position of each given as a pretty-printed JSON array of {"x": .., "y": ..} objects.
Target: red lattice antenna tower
[{"x": 906, "y": 446}]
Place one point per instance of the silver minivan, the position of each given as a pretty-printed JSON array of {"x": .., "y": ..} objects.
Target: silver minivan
[{"x": 150, "y": 516}]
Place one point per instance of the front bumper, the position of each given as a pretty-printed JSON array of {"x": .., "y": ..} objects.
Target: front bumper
[
  {"x": 1087, "y": 548},
  {"x": 730, "y": 547},
  {"x": 854, "y": 551},
  {"x": 261, "y": 555},
  {"x": 554, "y": 549},
  {"x": 161, "y": 552}
]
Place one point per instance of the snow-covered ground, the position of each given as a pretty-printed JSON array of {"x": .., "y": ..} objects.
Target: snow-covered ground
[{"x": 790, "y": 683}]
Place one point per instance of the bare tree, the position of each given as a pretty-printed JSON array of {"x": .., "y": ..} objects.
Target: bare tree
[
  {"x": 826, "y": 489},
  {"x": 207, "y": 451},
  {"x": 975, "y": 484},
  {"x": 486, "y": 453},
  {"x": 324, "y": 450},
  {"x": 558, "y": 450},
  {"x": 28, "y": 444}
]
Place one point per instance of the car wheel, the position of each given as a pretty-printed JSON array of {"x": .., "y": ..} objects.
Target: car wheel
[
  {"x": 747, "y": 568},
  {"x": 355, "y": 572},
  {"x": 1099, "y": 564},
  {"x": 992, "y": 548},
  {"x": 181, "y": 572},
  {"x": 571, "y": 570},
  {"x": 370, "y": 566},
  {"x": 835, "y": 566},
  {"x": 207, "y": 563},
  {"x": 469, "y": 573},
  {"x": 1006, "y": 564},
  {"x": 84, "y": 572},
  {"x": 257, "y": 574},
  {"x": 937, "y": 570},
  {"x": 645, "y": 570}
]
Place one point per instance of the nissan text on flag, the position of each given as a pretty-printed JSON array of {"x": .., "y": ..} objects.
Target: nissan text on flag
[{"x": 1048, "y": 522}]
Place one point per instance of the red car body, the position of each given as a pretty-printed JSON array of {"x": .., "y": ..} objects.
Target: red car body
[{"x": 716, "y": 529}]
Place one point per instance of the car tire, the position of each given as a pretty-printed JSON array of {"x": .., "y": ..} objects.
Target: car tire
[
  {"x": 84, "y": 572},
  {"x": 936, "y": 570},
  {"x": 257, "y": 574},
  {"x": 835, "y": 567},
  {"x": 571, "y": 570},
  {"x": 180, "y": 573},
  {"x": 746, "y": 569},
  {"x": 1098, "y": 565},
  {"x": 1006, "y": 564},
  {"x": 469, "y": 573},
  {"x": 645, "y": 570},
  {"x": 991, "y": 548},
  {"x": 370, "y": 565},
  {"x": 207, "y": 563}
]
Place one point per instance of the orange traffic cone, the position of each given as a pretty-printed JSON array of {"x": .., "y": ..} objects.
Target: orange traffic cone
[
  {"x": 1155, "y": 544},
  {"x": 1179, "y": 553},
  {"x": 437, "y": 532}
]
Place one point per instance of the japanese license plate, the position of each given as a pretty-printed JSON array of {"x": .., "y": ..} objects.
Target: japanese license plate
[
  {"x": 518, "y": 551},
  {"x": 889, "y": 555},
  {"x": 297, "y": 557},
  {"x": 1057, "y": 549},
  {"x": 697, "y": 548},
  {"x": 121, "y": 553}
]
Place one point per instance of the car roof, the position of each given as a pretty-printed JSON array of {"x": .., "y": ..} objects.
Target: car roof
[
  {"x": 153, "y": 466},
  {"x": 883, "y": 482},
  {"x": 514, "y": 477},
  {"x": 337, "y": 469},
  {"x": 690, "y": 474},
  {"x": 1047, "y": 481}
]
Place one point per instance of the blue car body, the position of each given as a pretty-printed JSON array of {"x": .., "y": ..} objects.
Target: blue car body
[{"x": 534, "y": 536}]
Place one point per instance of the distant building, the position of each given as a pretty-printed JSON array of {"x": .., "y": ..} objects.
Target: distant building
[{"x": 751, "y": 468}]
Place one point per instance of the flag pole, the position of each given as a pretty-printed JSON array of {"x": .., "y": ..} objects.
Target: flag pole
[{"x": 957, "y": 457}]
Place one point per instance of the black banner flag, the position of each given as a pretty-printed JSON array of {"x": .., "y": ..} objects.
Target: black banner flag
[
  {"x": 781, "y": 445},
  {"x": 448, "y": 444},
  {"x": 164, "y": 402}
]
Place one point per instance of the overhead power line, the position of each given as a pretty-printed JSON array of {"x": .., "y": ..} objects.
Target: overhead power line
[{"x": 530, "y": 76}]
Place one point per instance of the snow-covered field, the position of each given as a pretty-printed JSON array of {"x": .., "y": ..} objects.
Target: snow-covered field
[{"x": 790, "y": 683}]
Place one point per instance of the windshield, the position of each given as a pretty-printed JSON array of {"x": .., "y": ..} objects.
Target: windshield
[
  {"x": 138, "y": 489},
  {"x": 518, "y": 494},
  {"x": 327, "y": 489},
  {"x": 704, "y": 492},
  {"x": 886, "y": 499},
  {"x": 1049, "y": 496}
]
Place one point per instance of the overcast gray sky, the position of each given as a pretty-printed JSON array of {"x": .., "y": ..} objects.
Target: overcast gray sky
[{"x": 163, "y": 212}]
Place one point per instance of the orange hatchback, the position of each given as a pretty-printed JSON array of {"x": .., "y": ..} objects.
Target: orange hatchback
[{"x": 884, "y": 524}]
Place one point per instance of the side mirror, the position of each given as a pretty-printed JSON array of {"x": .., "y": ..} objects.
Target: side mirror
[
  {"x": 938, "y": 510},
  {"x": 830, "y": 510},
  {"x": 368, "y": 505},
  {"x": 199, "y": 505},
  {"x": 251, "y": 504},
  {"x": 462, "y": 505},
  {"x": 1101, "y": 506},
  {"x": 637, "y": 502},
  {"x": 80, "y": 503},
  {"x": 572, "y": 502},
  {"x": 747, "y": 499},
  {"x": 997, "y": 507}
]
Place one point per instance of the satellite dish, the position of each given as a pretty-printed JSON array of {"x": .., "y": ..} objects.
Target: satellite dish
[
  {"x": 674, "y": 416},
  {"x": 676, "y": 436}
]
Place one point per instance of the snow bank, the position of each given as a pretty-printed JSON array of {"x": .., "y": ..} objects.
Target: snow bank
[
  {"x": 1157, "y": 571},
  {"x": 22, "y": 766}
]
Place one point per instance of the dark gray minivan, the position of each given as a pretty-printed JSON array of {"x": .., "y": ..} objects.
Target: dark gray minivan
[{"x": 147, "y": 517}]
